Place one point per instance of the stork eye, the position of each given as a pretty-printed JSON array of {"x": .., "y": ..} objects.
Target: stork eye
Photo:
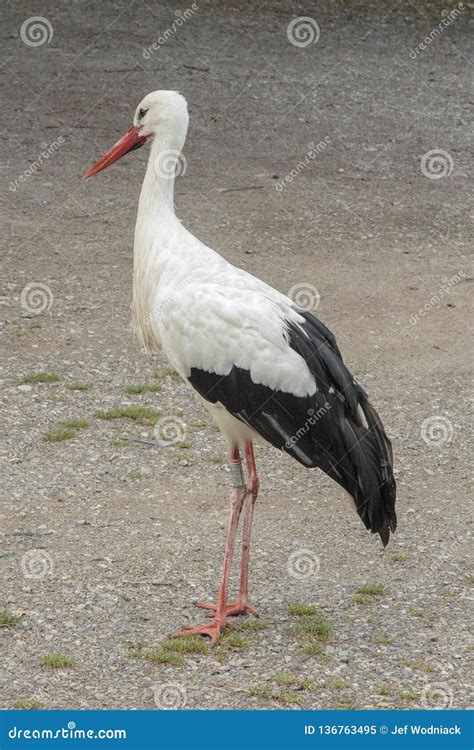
[{"x": 142, "y": 113}]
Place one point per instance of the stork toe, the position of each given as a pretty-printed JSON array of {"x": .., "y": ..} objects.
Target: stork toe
[
  {"x": 212, "y": 630},
  {"x": 233, "y": 609}
]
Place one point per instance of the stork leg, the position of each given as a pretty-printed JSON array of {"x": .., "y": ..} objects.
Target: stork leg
[
  {"x": 239, "y": 491},
  {"x": 241, "y": 605}
]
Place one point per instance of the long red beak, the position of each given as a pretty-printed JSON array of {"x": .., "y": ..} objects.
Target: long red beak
[{"x": 128, "y": 142}]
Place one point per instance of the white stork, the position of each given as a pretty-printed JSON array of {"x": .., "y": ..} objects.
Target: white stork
[{"x": 261, "y": 366}]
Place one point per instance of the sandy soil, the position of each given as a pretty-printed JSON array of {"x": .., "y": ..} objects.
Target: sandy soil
[{"x": 107, "y": 542}]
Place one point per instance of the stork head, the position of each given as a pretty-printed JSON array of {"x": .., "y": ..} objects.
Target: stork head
[{"x": 162, "y": 115}]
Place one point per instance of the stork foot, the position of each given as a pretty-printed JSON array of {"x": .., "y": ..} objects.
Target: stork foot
[
  {"x": 212, "y": 630},
  {"x": 233, "y": 609}
]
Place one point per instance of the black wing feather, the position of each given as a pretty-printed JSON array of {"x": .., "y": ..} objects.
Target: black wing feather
[{"x": 323, "y": 430}]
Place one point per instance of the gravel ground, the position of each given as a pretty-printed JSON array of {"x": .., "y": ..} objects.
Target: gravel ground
[{"x": 106, "y": 542}]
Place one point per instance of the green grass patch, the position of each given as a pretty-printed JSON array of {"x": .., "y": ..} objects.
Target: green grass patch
[
  {"x": 314, "y": 626},
  {"x": 197, "y": 423},
  {"x": 78, "y": 386},
  {"x": 372, "y": 589},
  {"x": 221, "y": 654},
  {"x": 288, "y": 698},
  {"x": 160, "y": 656},
  {"x": 74, "y": 424},
  {"x": 286, "y": 679},
  {"x": 118, "y": 443},
  {"x": 166, "y": 372},
  {"x": 57, "y": 660},
  {"x": 345, "y": 702},
  {"x": 8, "y": 619},
  {"x": 188, "y": 644},
  {"x": 146, "y": 388},
  {"x": 340, "y": 684},
  {"x": 216, "y": 460},
  {"x": 27, "y": 704},
  {"x": 400, "y": 558},
  {"x": 253, "y": 625},
  {"x": 383, "y": 689},
  {"x": 413, "y": 612},
  {"x": 409, "y": 695},
  {"x": 135, "y": 474},
  {"x": 260, "y": 691},
  {"x": 313, "y": 648},
  {"x": 312, "y": 632},
  {"x": 56, "y": 434},
  {"x": 40, "y": 377},
  {"x": 230, "y": 640},
  {"x": 300, "y": 609},
  {"x": 141, "y": 414},
  {"x": 419, "y": 665},
  {"x": 382, "y": 640},
  {"x": 135, "y": 649}
]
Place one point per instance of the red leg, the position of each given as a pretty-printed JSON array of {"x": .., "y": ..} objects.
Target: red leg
[
  {"x": 219, "y": 622},
  {"x": 241, "y": 605}
]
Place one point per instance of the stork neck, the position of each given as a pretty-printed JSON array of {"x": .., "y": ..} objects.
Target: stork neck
[{"x": 157, "y": 195}]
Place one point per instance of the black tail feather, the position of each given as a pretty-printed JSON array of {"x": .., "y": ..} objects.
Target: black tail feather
[
  {"x": 348, "y": 442},
  {"x": 369, "y": 473}
]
